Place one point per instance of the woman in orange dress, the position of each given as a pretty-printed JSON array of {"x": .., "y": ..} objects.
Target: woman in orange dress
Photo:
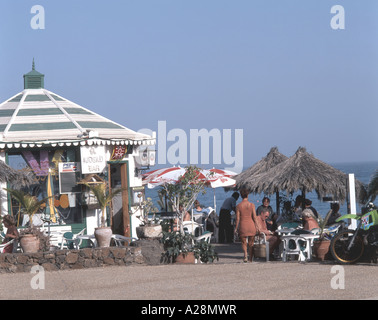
[{"x": 246, "y": 218}]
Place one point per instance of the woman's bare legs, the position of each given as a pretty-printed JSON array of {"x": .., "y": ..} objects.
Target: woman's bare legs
[
  {"x": 244, "y": 247},
  {"x": 251, "y": 241}
]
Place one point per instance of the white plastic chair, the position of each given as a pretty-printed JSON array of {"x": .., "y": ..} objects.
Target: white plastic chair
[
  {"x": 296, "y": 245},
  {"x": 3, "y": 246},
  {"x": 120, "y": 240},
  {"x": 193, "y": 228},
  {"x": 206, "y": 236},
  {"x": 70, "y": 238}
]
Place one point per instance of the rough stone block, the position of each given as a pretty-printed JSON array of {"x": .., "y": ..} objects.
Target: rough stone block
[{"x": 71, "y": 258}]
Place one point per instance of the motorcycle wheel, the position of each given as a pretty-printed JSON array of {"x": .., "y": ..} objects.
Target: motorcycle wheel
[{"x": 339, "y": 247}]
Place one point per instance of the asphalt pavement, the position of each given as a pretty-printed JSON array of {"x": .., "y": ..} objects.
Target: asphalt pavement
[{"x": 227, "y": 279}]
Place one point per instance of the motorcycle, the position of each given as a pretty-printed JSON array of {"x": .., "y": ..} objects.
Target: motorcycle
[{"x": 348, "y": 245}]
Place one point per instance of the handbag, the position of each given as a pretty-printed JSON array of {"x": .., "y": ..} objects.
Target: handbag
[{"x": 259, "y": 250}]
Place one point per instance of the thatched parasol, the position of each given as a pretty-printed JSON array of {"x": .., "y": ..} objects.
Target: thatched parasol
[
  {"x": 16, "y": 178},
  {"x": 247, "y": 178},
  {"x": 304, "y": 172}
]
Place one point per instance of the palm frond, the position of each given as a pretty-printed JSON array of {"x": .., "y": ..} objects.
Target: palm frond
[
  {"x": 373, "y": 187},
  {"x": 103, "y": 196}
]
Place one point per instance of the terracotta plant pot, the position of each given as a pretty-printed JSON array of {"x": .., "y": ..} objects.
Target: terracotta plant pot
[
  {"x": 188, "y": 258},
  {"x": 103, "y": 236},
  {"x": 321, "y": 248},
  {"x": 29, "y": 243},
  {"x": 153, "y": 231}
]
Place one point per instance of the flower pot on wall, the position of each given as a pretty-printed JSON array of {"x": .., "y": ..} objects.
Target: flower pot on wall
[
  {"x": 153, "y": 231},
  {"x": 103, "y": 236},
  {"x": 29, "y": 243},
  {"x": 321, "y": 248}
]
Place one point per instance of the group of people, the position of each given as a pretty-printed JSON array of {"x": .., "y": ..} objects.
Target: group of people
[{"x": 251, "y": 221}]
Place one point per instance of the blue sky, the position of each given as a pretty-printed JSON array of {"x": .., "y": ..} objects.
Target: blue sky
[{"x": 275, "y": 69}]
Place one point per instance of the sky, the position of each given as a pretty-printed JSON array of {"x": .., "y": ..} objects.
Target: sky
[{"x": 273, "y": 70}]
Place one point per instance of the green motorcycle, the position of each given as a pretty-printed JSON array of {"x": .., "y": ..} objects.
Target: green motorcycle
[{"x": 348, "y": 245}]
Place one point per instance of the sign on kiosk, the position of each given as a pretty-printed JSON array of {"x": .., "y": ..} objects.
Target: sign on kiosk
[
  {"x": 69, "y": 176},
  {"x": 92, "y": 159}
]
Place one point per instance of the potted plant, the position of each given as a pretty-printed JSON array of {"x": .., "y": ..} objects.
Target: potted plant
[
  {"x": 321, "y": 245},
  {"x": 30, "y": 237},
  {"x": 184, "y": 193},
  {"x": 178, "y": 247},
  {"x": 104, "y": 197},
  {"x": 205, "y": 252},
  {"x": 182, "y": 248},
  {"x": 149, "y": 228}
]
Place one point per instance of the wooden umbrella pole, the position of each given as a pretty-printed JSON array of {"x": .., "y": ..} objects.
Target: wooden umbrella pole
[{"x": 277, "y": 202}]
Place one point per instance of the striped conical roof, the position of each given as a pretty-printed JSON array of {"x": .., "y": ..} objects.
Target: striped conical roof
[{"x": 39, "y": 115}]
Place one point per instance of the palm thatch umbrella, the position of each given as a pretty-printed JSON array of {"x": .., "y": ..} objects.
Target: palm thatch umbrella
[
  {"x": 247, "y": 178},
  {"x": 304, "y": 172},
  {"x": 16, "y": 178}
]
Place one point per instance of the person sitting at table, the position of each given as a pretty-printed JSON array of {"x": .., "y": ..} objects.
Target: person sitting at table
[
  {"x": 335, "y": 207},
  {"x": 186, "y": 215},
  {"x": 212, "y": 224},
  {"x": 175, "y": 222},
  {"x": 308, "y": 205},
  {"x": 200, "y": 213},
  {"x": 12, "y": 232},
  {"x": 309, "y": 220},
  {"x": 271, "y": 221},
  {"x": 298, "y": 206},
  {"x": 271, "y": 237}
]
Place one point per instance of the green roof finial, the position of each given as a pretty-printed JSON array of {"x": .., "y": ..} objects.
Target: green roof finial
[{"x": 34, "y": 79}]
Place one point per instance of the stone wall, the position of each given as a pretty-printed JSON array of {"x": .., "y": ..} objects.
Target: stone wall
[{"x": 71, "y": 259}]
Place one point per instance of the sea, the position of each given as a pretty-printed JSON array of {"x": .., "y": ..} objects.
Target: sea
[{"x": 363, "y": 171}]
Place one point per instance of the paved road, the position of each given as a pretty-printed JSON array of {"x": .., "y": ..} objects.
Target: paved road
[{"x": 228, "y": 279}]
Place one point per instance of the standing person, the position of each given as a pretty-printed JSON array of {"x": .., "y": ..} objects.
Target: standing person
[
  {"x": 12, "y": 232},
  {"x": 225, "y": 227},
  {"x": 271, "y": 220},
  {"x": 246, "y": 217}
]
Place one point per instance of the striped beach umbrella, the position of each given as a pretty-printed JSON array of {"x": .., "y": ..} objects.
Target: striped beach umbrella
[
  {"x": 222, "y": 172},
  {"x": 214, "y": 178},
  {"x": 173, "y": 175}
]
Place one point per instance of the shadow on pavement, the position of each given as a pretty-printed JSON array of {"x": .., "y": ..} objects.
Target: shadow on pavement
[{"x": 229, "y": 252}]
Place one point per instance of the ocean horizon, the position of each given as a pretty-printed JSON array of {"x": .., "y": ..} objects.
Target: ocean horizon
[{"x": 363, "y": 171}]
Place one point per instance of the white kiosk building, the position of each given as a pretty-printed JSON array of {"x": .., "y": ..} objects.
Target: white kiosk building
[{"x": 63, "y": 143}]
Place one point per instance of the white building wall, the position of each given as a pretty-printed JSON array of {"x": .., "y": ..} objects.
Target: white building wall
[
  {"x": 93, "y": 218},
  {"x": 3, "y": 193}
]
